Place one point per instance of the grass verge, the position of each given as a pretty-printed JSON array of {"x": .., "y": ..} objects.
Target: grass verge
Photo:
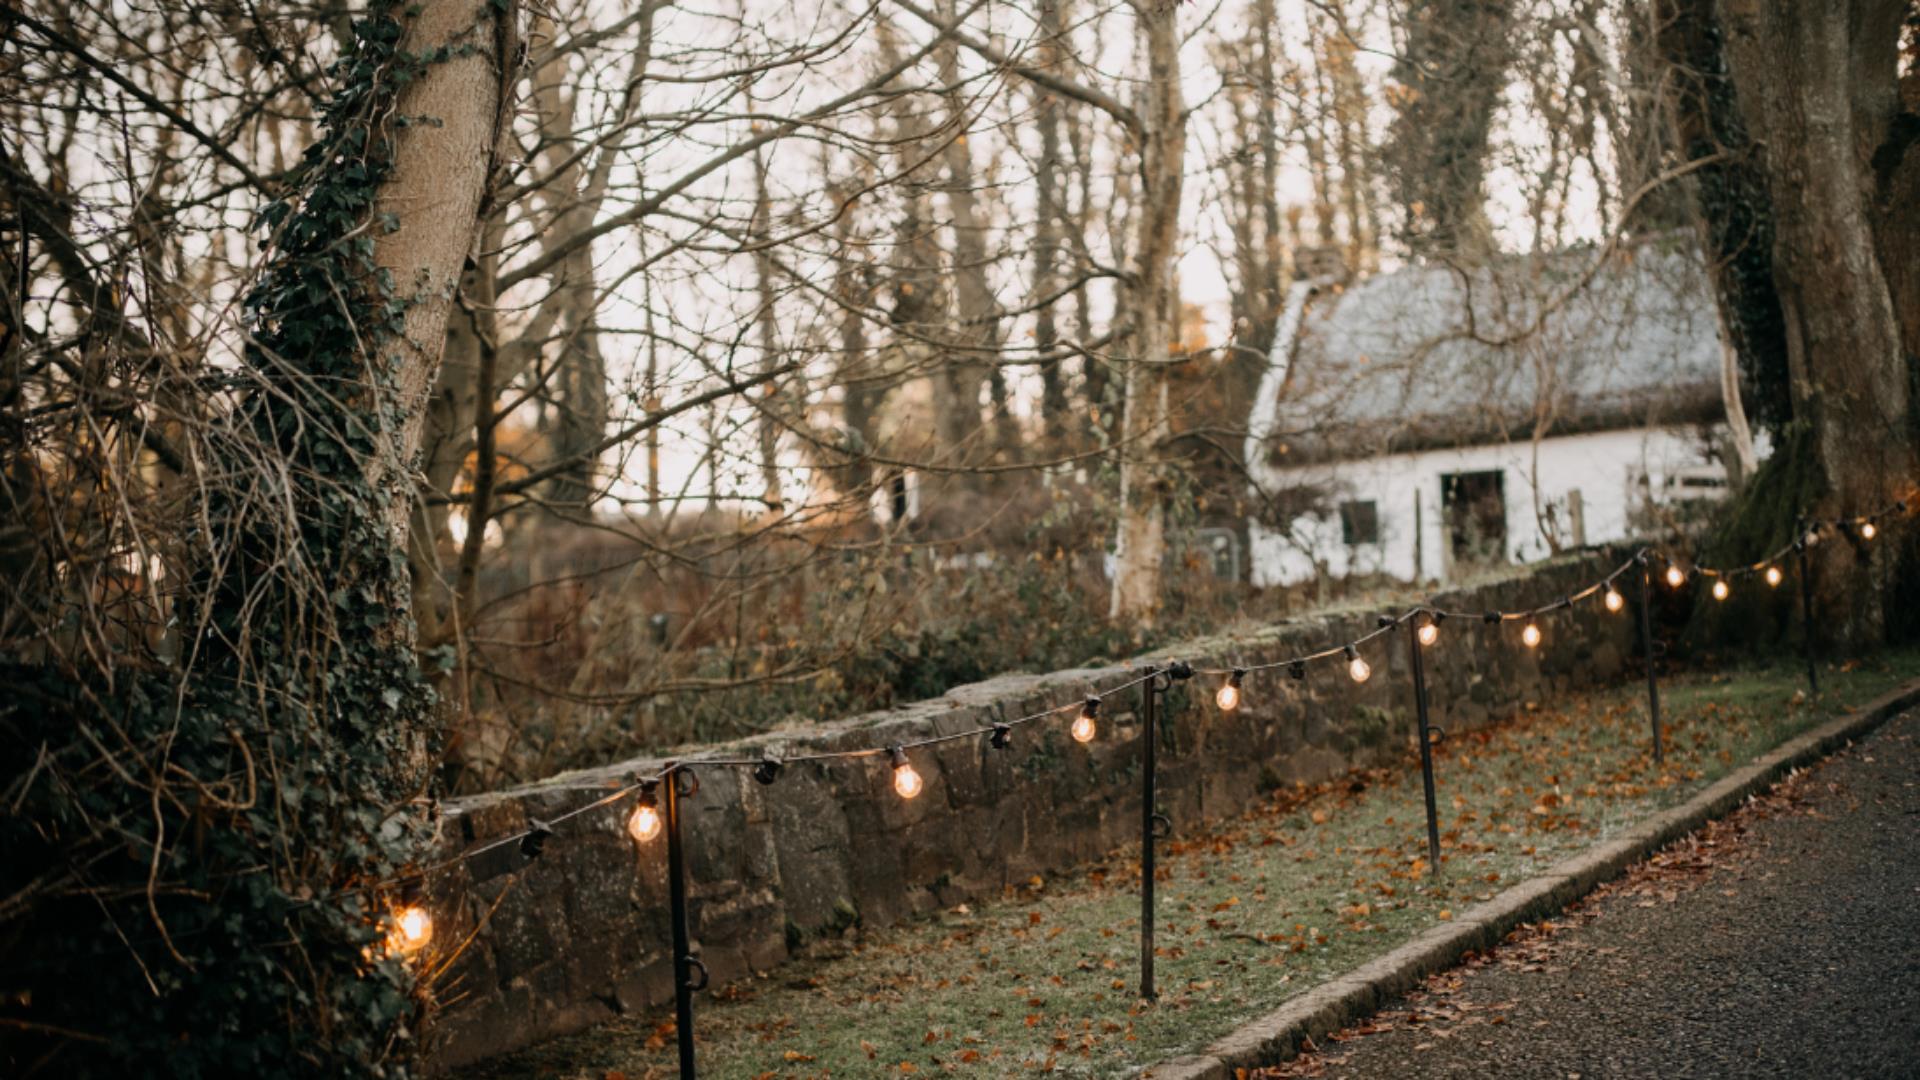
[{"x": 1307, "y": 884}]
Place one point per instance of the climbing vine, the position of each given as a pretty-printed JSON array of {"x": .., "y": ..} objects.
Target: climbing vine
[{"x": 197, "y": 830}]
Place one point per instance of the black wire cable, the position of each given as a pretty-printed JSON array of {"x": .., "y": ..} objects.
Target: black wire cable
[
  {"x": 1390, "y": 623},
  {"x": 1387, "y": 625},
  {"x": 1806, "y": 533},
  {"x": 689, "y": 764}
]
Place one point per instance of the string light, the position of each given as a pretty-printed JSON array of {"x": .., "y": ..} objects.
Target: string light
[
  {"x": 413, "y": 926},
  {"x": 1084, "y": 725},
  {"x": 906, "y": 780},
  {"x": 1357, "y": 665},
  {"x": 535, "y": 841},
  {"x": 412, "y": 929},
  {"x": 1229, "y": 696},
  {"x": 644, "y": 823}
]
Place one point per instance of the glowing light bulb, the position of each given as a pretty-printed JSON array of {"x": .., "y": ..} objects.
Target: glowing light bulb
[
  {"x": 1676, "y": 577},
  {"x": 1084, "y": 726},
  {"x": 1428, "y": 633},
  {"x": 1357, "y": 666},
  {"x": 1867, "y": 530},
  {"x": 1773, "y": 575},
  {"x": 1229, "y": 696},
  {"x": 1531, "y": 636},
  {"x": 1720, "y": 590},
  {"x": 412, "y": 929},
  {"x": 906, "y": 780},
  {"x": 1614, "y": 600},
  {"x": 644, "y": 823}
]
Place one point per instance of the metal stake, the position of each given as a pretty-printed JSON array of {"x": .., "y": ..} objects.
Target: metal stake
[
  {"x": 1149, "y": 736},
  {"x": 1426, "y": 740},
  {"x": 1647, "y": 642},
  {"x": 1806, "y": 611},
  {"x": 684, "y": 963}
]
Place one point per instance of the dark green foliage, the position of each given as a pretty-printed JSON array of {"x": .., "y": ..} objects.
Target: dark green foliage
[
  {"x": 1761, "y": 517},
  {"x": 1022, "y": 615},
  {"x": 1734, "y": 204},
  {"x": 1453, "y": 72},
  {"x": 189, "y": 842},
  {"x": 1757, "y": 522}
]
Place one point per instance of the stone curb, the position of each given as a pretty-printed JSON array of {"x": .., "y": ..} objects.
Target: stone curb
[{"x": 1329, "y": 1007}]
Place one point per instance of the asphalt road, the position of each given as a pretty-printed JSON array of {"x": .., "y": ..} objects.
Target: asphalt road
[{"x": 1784, "y": 942}]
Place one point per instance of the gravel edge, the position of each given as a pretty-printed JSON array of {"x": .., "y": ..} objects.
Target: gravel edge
[{"x": 1327, "y": 1008}]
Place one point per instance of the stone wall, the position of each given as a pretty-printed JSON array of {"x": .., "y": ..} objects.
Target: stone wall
[{"x": 581, "y": 934}]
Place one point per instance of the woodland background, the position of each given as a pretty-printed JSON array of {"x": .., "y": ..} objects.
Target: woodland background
[{"x": 422, "y": 399}]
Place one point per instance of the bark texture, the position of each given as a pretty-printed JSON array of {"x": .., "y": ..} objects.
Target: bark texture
[
  {"x": 1818, "y": 83},
  {"x": 441, "y": 172},
  {"x": 1049, "y": 210},
  {"x": 1452, "y": 75},
  {"x": 1141, "y": 542},
  {"x": 1735, "y": 219}
]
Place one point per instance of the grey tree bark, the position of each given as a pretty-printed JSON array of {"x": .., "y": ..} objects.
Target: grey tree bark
[
  {"x": 1140, "y": 543},
  {"x": 440, "y": 178},
  {"x": 1452, "y": 73},
  {"x": 1818, "y": 83}
]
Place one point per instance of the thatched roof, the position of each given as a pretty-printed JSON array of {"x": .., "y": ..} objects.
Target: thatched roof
[{"x": 1433, "y": 356}]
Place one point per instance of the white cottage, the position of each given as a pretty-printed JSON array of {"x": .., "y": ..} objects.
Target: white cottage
[{"x": 1433, "y": 419}]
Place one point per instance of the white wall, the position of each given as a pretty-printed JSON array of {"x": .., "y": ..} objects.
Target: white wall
[{"x": 1600, "y": 466}]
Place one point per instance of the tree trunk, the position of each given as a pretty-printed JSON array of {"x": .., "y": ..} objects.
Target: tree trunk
[
  {"x": 1049, "y": 209},
  {"x": 441, "y": 171},
  {"x": 582, "y": 376},
  {"x": 1096, "y": 377},
  {"x": 920, "y": 300},
  {"x": 1896, "y": 196},
  {"x": 767, "y": 324},
  {"x": 853, "y": 281},
  {"x": 1646, "y": 127},
  {"x": 1140, "y": 544},
  {"x": 1452, "y": 76},
  {"x": 249, "y": 913},
  {"x": 1734, "y": 211},
  {"x": 1816, "y": 81},
  {"x": 976, "y": 333}
]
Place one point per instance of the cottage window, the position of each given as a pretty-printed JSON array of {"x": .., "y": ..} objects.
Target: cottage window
[
  {"x": 1476, "y": 509},
  {"x": 1360, "y": 522}
]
